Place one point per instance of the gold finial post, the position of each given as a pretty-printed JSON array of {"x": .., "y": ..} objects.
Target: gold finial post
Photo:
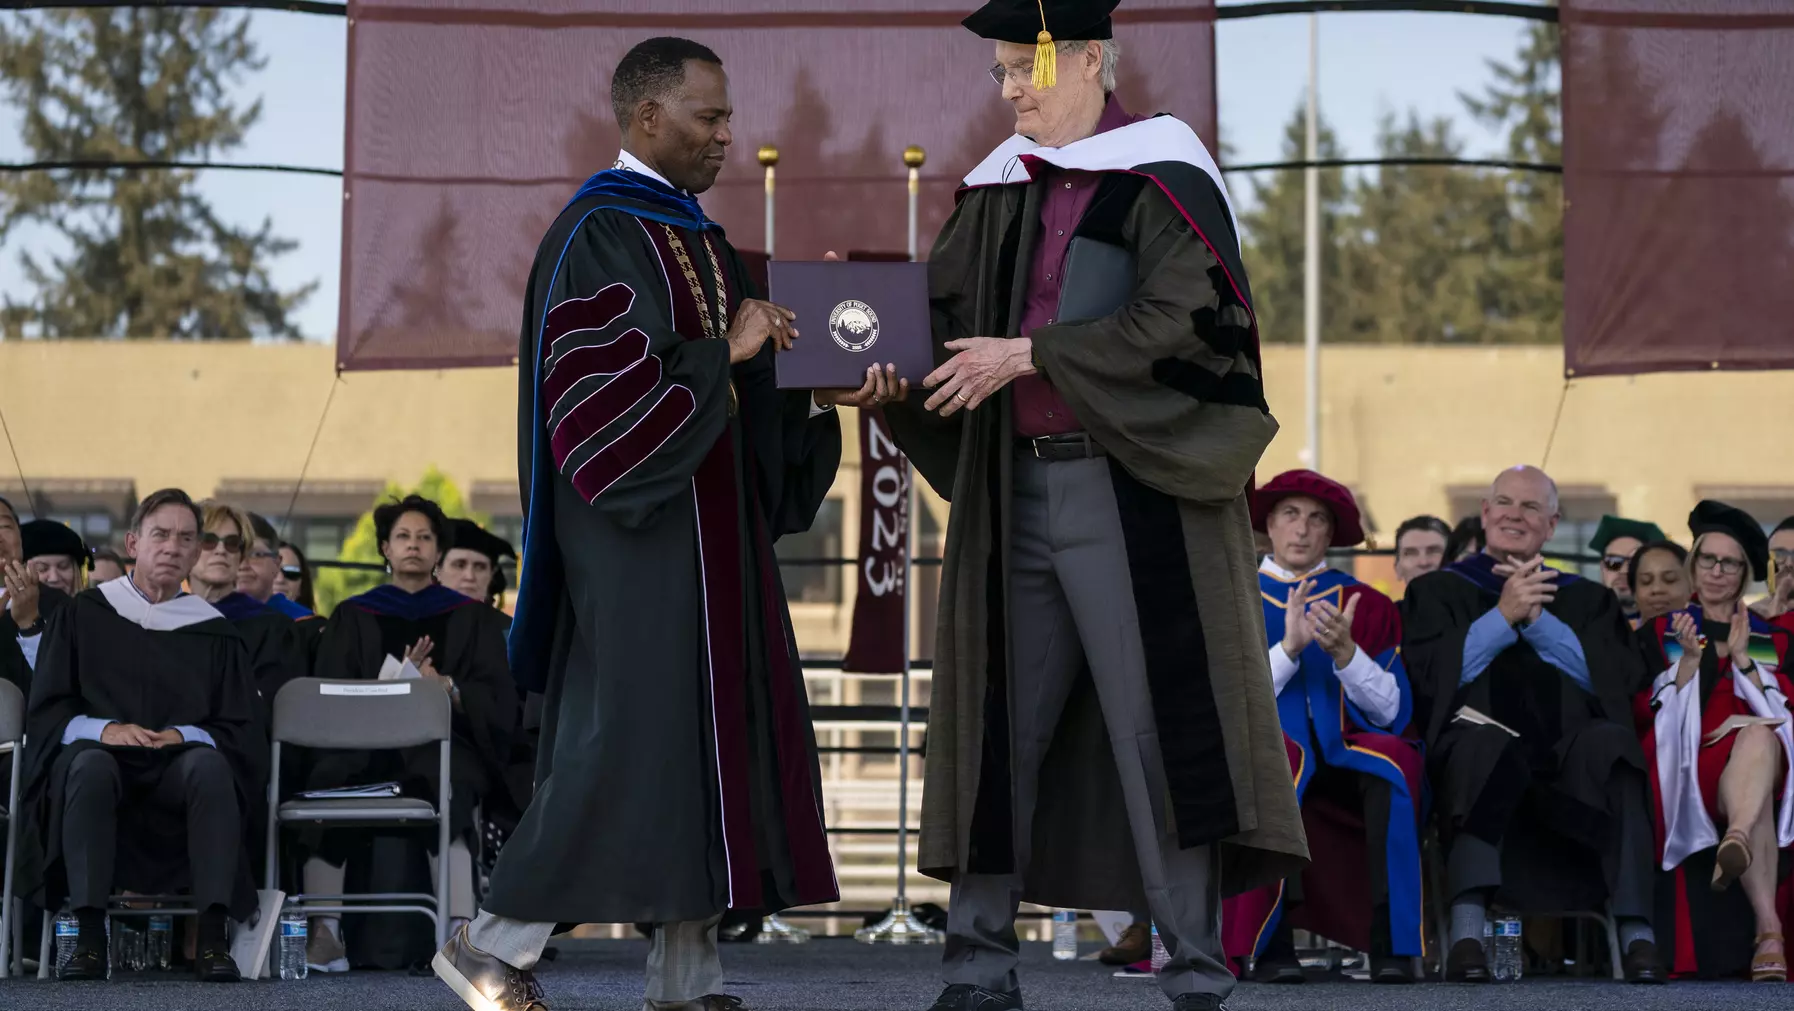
[
  {"x": 769, "y": 160},
  {"x": 913, "y": 157}
]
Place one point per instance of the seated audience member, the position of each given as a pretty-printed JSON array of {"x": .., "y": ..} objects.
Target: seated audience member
[
  {"x": 1780, "y": 600},
  {"x": 259, "y": 580},
  {"x": 471, "y": 566},
  {"x": 456, "y": 644},
  {"x": 26, "y": 606},
  {"x": 141, "y": 760},
  {"x": 1466, "y": 540},
  {"x": 294, "y": 581},
  {"x": 107, "y": 566},
  {"x": 56, "y": 555},
  {"x": 275, "y": 653},
  {"x": 1716, "y": 734},
  {"x": 1658, "y": 576},
  {"x": 1616, "y": 540},
  {"x": 1523, "y": 678},
  {"x": 1343, "y": 699},
  {"x": 1420, "y": 547}
]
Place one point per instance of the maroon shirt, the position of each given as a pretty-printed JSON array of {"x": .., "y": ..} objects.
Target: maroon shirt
[{"x": 1039, "y": 410}]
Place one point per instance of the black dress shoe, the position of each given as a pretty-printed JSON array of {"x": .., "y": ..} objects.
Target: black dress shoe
[
  {"x": 1391, "y": 969},
  {"x": 711, "y": 1002},
  {"x": 1642, "y": 965},
  {"x": 1279, "y": 969},
  {"x": 85, "y": 963},
  {"x": 1199, "y": 1002},
  {"x": 966, "y": 997},
  {"x": 1466, "y": 962},
  {"x": 483, "y": 981},
  {"x": 214, "y": 965}
]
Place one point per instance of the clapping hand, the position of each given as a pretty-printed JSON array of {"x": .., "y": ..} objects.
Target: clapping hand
[
  {"x": 1333, "y": 630},
  {"x": 1737, "y": 642},
  {"x": 22, "y": 592},
  {"x": 1689, "y": 638},
  {"x": 1298, "y": 627},
  {"x": 1530, "y": 586}
]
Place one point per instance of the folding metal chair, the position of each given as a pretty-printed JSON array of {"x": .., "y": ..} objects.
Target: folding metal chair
[
  {"x": 364, "y": 716},
  {"x": 12, "y": 737}
]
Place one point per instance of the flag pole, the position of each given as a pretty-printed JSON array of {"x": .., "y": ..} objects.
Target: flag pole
[
  {"x": 1311, "y": 249},
  {"x": 900, "y": 926},
  {"x": 769, "y": 160}
]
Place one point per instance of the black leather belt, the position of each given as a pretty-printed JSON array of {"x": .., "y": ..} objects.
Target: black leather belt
[{"x": 1058, "y": 448}]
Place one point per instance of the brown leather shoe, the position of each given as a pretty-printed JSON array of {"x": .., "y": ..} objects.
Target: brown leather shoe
[
  {"x": 1467, "y": 963},
  {"x": 1135, "y": 946},
  {"x": 1642, "y": 965},
  {"x": 484, "y": 982}
]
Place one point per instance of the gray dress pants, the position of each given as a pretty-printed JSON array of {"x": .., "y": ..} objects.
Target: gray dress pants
[
  {"x": 683, "y": 964},
  {"x": 1072, "y": 602}
]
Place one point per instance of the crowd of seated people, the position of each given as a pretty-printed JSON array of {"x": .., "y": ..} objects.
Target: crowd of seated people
[
  {"x": 1619, "y": 744},
  {"x": 150, "y": 689}
]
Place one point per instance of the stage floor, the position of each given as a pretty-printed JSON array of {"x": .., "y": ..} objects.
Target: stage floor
[{"x": 839, "y": 975}]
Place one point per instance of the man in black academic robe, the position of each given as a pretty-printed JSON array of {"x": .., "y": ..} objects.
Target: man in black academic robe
[
  {"x": 677, "y": 775},
  {"x": 1522, "y": 679},
  {"x": 141, "y": 760}
]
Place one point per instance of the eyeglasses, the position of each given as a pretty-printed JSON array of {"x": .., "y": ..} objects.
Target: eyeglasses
[
  {"x": 1023, "y": 75},
  {"x": 264, "y": 553},
  {"x": 1784, "y": 557},
  {"x": 232, "y": 543},
  {"x": 1614, "y": 563},
  {"x": 1726, "y": 566},
  {"x": 291, "y": 571}
]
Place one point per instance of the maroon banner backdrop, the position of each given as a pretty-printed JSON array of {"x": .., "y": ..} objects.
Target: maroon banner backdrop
[
  {"x": 1678, "y": 185},
  {"x": 471, "y": 122},
  {"x": 880, "y": 642}
]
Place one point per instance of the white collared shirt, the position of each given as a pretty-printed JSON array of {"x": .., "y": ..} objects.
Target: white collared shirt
[
  {"x": 1370, "y": 687},
  {"x": 630, "y": 163}
]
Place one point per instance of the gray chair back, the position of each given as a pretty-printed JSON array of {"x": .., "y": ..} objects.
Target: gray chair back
[
  {"x": 319, "y": 713},
  {"x": 12, "y": 713}
]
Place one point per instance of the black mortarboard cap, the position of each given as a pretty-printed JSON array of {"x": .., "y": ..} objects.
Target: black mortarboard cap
[
  {"x": 470, "y": 535},
  {"x": 48, "y": 537},
  {"x": 1717, "y": 517},
  {"x": 1612, "y": 528},
  {"x": 1022, "y": 21},
  {"x": 1041, "y": 22}
]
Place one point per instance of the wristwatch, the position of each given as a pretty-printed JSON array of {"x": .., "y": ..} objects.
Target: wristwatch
[{"x": 35, "y": 628}]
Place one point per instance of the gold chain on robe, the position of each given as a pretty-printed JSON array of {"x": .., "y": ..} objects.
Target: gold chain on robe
[{"x": 715, "y": 326}]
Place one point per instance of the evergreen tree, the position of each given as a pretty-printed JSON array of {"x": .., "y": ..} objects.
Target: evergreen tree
[
  {"x": 1421, "y": 244},
  {"x": 1527, "y": 282},
  {"x": 1272, "y": 243},
  {"x": 332, "y": 586},
  {"x": 148, "y": 256}
]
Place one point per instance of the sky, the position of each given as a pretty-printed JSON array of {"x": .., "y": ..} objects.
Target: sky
[{"x": 1370, "y": 64}]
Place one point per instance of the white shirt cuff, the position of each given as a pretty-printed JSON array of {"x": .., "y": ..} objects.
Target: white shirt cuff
[
  {"x": 1371, "y": 688},
  {"x": 194, "y": 735},
  {"x": 84, "y": 728},
  {"x": 1283, "y": 669}
]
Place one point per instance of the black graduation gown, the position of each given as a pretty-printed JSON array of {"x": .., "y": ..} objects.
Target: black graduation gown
[
  {"x": 93, "y": 662},
  {"x": 13, "y": 666},
  {"x": 677, "y": 772},
  {"x": 1557, "y": 772},
  {"x": 276, "y": 654},
  {"x": 469, "y": 637}
]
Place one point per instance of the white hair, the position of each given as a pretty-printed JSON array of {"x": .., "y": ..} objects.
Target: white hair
[
  {"x": 1550, "y": 485},
  {"x": 1111, "y": 51}
]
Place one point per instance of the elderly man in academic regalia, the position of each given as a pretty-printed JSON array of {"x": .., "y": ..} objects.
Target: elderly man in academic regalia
[
  {"x": 141, "y": 760},
  {"x": 677, "y": 775},
  {"x": 1095, "y": 421},
  {"x": 1343, "y": 697},
  {"x": 1523, "y": 678}
]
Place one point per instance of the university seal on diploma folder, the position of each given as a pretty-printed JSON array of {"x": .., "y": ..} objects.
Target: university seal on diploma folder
[{"x": 853, "y": 325}]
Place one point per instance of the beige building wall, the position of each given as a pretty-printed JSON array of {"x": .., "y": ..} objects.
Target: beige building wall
[{"x": 1404, "y": 426}]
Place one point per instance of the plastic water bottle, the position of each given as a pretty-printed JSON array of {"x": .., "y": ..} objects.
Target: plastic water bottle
[
  {"x": 68, "y": 930},
  {"x": 125, "y": 948},
  {"x": 1489, "y": 942},
  {"x": 1159, "y": 955},
  {"x": 1065, "y": 934},
  {"x": 159, "y": 946},
  {"x": 292, "y": 943},
  {"x": 1509, "y": 955}
]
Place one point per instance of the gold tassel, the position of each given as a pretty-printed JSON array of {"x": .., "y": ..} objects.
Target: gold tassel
[
  {"x": 1046, "y": 58},
  {"x": 1046, "y": 64}
]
